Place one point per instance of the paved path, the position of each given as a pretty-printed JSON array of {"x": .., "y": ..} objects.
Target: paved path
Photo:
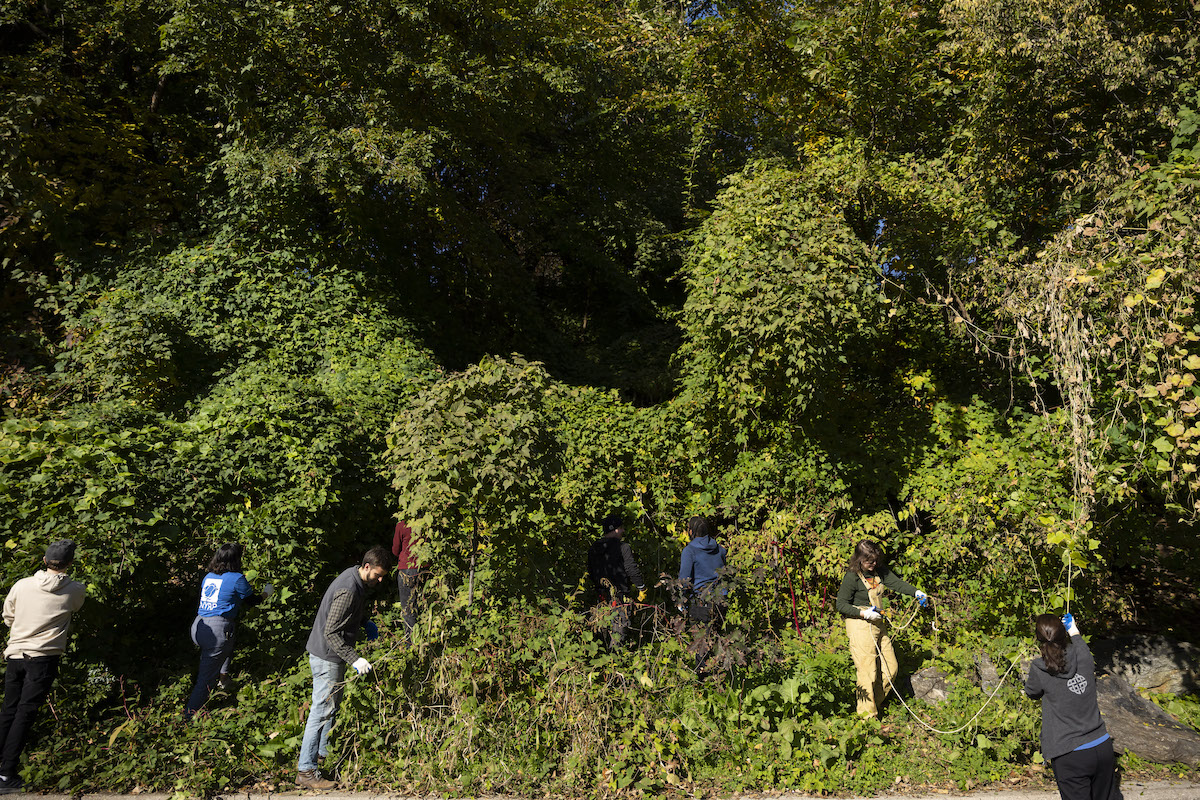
[{"x": 1133, "y": 790}]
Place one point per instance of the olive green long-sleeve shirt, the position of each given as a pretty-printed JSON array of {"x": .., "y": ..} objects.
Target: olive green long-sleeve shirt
[{"x": 853, "y": 591}]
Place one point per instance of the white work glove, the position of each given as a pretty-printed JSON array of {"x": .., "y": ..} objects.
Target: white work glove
[
  {"x": 1069, "y": 623},
  {"x": 922, "y": 598},
  {"x": 871, "y": 613},
  {"x": 362, "y": 666},
  {"x": 268, "y": 589}
]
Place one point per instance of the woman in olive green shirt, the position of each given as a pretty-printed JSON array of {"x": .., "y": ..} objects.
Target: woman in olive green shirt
[{"x": 858, "y": 601}]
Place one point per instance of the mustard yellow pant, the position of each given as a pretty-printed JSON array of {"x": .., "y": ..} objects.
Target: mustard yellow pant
[{"x": 875, "y": 674}]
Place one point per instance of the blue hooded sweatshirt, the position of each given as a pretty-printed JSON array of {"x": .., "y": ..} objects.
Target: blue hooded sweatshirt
[{"x": 700, "y": 561}]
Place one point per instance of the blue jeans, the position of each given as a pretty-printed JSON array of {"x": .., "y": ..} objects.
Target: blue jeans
[
  {"x": 328, "y": 677},
  {"x": 214, "y": 637}
]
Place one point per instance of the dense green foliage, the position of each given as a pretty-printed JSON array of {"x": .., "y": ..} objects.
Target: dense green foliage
[{"x": 284, "y": 272}]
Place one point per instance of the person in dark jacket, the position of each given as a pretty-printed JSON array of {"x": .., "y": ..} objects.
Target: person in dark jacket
[
  {"x": 698, "y": 567},
  {"x": 330, "y": 648},
  {"x": 1074, "y": 739},
  {"x": 859, "y": 600},
  {"x": 407, "y": 572},
  {"x": 702, "y": 559},
  {"x": 222, "y": 593},
  {"x": 615, "y": 574}
]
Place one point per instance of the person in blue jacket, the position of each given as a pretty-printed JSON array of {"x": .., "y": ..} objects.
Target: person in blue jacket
[
  {"x": 699, "y": 567},
  {"x": 222, "y": 593},
  {"x": 1074, "y": 738}
]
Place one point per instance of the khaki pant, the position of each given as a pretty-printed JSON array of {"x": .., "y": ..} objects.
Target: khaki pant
[{"x": 874, "y": 678}]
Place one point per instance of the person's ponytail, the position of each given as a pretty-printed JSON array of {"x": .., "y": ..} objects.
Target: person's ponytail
[{"x": 1052, "y": 639}]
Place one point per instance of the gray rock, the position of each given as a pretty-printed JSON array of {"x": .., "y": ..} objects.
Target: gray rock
[
  {"x": 986, "y": 675},
  {"x": 1141, "y": 727},
  {"x": 929, "y": 684},
  {"x": 1154, "y": 663}
]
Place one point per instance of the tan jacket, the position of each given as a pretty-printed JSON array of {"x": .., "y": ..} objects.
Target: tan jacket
[{"x": 39, "y": 609}]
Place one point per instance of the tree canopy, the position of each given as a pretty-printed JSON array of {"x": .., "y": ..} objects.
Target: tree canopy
[{"x": 285, "y": 272}]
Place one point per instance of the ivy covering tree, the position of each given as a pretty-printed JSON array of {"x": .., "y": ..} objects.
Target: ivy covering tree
[{"x": 284, "y": 273}]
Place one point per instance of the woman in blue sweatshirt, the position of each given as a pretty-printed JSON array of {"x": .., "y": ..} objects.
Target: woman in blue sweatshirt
[
  {"x": 222, "y": 593},
  {"x": 1074, "y": 739},
  {"x": 698, "y": 566}
]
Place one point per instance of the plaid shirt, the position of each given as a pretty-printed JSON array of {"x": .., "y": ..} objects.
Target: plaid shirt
[{"x": 338, "y": 623}]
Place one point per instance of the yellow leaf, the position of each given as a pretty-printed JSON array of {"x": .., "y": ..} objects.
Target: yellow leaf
[{"x": 113, "y": 736}]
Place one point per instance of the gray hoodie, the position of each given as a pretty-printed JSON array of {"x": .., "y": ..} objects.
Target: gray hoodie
[
  {"x": 1070, "y": 715},
  {"x": 39, "y": 609}
]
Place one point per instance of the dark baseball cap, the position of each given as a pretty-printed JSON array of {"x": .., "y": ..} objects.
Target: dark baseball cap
[
  {"x": 61, "y": 552},
  {"x": 611, "y": 523}
]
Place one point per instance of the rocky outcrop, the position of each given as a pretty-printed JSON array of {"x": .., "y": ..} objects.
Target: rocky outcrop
[
  {"x": 1141, "y": 727},
  {"x": 929, "y": 684},
  {"x": 1153, "y": 663}
]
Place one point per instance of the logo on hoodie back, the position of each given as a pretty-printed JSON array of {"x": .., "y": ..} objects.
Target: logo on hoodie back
[{"x": 1077, "y": 684}]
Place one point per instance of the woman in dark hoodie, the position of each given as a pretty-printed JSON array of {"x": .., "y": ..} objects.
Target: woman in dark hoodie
[
  {"x": 1074, "y": 739},
  {"x": 698, "y": 566}
]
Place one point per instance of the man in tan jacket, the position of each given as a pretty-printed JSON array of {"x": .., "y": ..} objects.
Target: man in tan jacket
[{"x": 38, "y": 611}]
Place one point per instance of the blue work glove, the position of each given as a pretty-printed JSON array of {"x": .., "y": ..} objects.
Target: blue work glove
[
  {"x": 372, "y": 630},
  {"x": 922, "y": 598},
  {"x": 1068, "y": 621}
]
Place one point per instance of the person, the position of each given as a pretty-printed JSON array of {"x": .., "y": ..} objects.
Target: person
[
  {"x": 222, "y": 593},
  {"x": 858, "y": 600},
  {"x": 38, "y": 612},
  {"x": 1074, "y": 738},
  {"x": 699, "y": 564},
  {"x": 615, "y": 574},
  {"x": 342, "y": 614},
  {"x": 406, "y": 576}
]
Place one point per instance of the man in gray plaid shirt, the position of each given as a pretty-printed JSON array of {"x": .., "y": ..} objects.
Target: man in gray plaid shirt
[{"x": 335, "y": 631}]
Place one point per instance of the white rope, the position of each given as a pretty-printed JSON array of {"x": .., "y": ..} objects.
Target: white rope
[
  {"x": 968, "y": 723},
  {"x": 916, "y": 610}
]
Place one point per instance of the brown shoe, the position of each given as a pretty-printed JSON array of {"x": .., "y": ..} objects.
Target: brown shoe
[{"x": 312, "y": 780}]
